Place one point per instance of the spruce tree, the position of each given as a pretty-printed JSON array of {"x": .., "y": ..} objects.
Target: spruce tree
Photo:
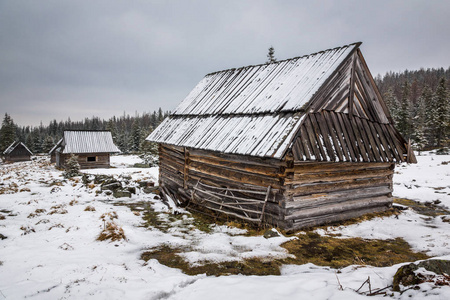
[
  {"x": 404, "y": 115},
  {"x": 442, "y": 113},
  {"x": 419, "y": 125},
  {"x": 392, "y": 104},
  {"x": 271, "y": 55},
  {"x": 47, "y": 144},
  {"x": 72, "y": 167},
  {"x": 7, "y": 133},
  {"x": 135, "y": 136}
]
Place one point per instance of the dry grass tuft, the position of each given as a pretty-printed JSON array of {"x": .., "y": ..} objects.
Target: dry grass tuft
[
  {"x": 37, "y": 212},
  {"x": 89, "y": 208},
  {"x": 110, "y": 215},
  {"x": 112, "y": 232},
  {"x": 56, "y": 226},
  {"x": 58, "y": 209},
  {"x": 27, "y": 230}
]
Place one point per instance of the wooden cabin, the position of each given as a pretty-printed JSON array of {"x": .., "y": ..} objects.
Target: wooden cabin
[
  {"x": 295, "y": 143},
  {"x": 92, "y": 147},
  {"x": 17, "y": 151}
]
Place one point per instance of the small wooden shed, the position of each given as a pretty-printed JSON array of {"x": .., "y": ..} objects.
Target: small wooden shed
[
  {"x": 17, "y": 151},
  {"x": 295, "y": 143},
  {"x": 92, "y": 147}
]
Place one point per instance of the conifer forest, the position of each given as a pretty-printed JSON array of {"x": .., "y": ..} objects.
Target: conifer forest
[
  {"x": 419, "y": 103},
  {"x": 129, "y": 132}
]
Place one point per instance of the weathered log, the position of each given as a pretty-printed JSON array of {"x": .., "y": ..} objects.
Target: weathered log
[
  {"x": 337, "y": 208},
  {"x": 320, "y": 199},
  {"x": 344, "y": 185},
  {"x": 331, "y": 218},
  {"x": 333, "y": 176}
]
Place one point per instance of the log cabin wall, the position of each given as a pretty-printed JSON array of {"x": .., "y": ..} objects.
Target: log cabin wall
[
  {"x": 236, "y": 186},
  {"x": 86, "y": 160},
  {"x": 19, "y": 153},
  {"x": 320, "y": 193}
]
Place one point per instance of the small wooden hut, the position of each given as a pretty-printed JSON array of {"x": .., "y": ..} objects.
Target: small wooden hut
[
  {"x": 17, "y": 151},
  {"x": 92, "y": 147},
  {"x": 295, "y": 143}
]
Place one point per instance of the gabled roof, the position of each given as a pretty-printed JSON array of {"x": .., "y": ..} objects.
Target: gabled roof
[
  {"x": 14, "y": 146},
  {"x": 80, "y": 141},
  {"x": 254, "y": 110}
]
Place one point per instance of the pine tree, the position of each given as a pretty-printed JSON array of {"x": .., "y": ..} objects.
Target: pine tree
[
  {"x": 7, "y": 133},
  {"x": 135, "y": 136},
  {"x": 419, "y": 125},
  {"x": 392, "y": 104},
  {"x": 271, "y": 55},
  {"x": 36, "y": 142},
  {"x": 150, "y": 154},
  {"x": 404, "y": 114},
  {"x": 47, "y": 144},
  {"x": 442, "y": 113},
  {"x": 72, "y": 167}
]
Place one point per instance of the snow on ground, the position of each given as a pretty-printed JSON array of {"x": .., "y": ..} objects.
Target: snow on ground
[
  {"x": 51, "y": 252},
  {"x": 426, "y": 181}
]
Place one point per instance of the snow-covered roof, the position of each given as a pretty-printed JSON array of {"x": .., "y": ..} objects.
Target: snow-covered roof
[
  {"x": 14, "y": 146},
  {"x": 79, "y": 141},
  {"x": 56, "y": 146},
  {"x": 254, "y": 110}
]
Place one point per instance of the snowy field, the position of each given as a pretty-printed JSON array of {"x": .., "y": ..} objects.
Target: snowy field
[{"x": 49, "y": 248}]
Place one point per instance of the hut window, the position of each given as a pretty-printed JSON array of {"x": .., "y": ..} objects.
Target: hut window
[{"x": 92, "y": 158}]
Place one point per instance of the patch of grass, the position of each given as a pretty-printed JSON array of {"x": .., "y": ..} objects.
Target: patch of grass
[
  {"x": 151, "y": 219},
  {"x": 338, "y": 252},
  {"x": 427, "y": 209},
  {"x": 308, "y": 248},
  {"x": 170, "y": 257}
]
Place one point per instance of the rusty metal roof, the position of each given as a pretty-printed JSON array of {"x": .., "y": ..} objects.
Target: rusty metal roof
[
  {"x": 79, "y": 141},
  {"x": 253, "y": 110}
]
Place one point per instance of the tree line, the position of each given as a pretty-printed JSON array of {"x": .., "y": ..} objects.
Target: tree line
[
  {"x": 129, "y": 132},
  {"x": 419, "y": 104}
]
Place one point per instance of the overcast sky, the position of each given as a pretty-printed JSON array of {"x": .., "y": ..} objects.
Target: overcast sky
[{"x": 77, "y": 59}]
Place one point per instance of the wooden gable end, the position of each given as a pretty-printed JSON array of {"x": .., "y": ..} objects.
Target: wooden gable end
[
  {"x": 347, "y": 120},
  {"x": 352, "y": 90}
]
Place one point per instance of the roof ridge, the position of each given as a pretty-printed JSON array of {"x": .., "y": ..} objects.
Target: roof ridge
[
  {"x": 88, "y": 130},
  {"x": 356, "y": 44}
]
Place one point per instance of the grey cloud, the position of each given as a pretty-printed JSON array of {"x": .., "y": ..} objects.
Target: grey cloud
[{"x": 79, "y": 58}]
